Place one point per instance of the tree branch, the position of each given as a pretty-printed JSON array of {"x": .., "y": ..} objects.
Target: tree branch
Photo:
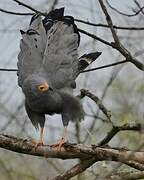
[
  {"x": 7, "y": 69},
  {"x": 117, "y": 44},
  {"x": 97, "y": 101},
  {"x": 15, "y": 13},
  {"x": 77, "y": 169},
  {"x": 29, "y": 7},
  {"x": 88, "y": 154},
  {"x": 71, "y": 151},
  {"x": 107, "y": 26},
  {"x": 94, "y": 37},
  {"x": 116, "y": 129},
  {"x": 124, "y": 14},
  {"x": 104, "y": 66},
  {"x": 87, "y": 70}
]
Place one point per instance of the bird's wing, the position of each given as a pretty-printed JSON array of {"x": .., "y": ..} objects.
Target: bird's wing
[
  {"x": 87, "y": 59},
  {"x": 60, "y": 56},
  {"x": 50, "y": 46},
  {"x": 32, "y": 46}
]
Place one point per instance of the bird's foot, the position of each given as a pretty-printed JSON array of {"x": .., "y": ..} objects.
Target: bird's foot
[
  {"x": 38, "y": 143},
  {"x": 59, "y": 144}
]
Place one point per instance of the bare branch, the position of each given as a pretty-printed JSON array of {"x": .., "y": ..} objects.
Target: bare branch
[
  {"x": 138, "y": 5},
  {"x": 88, "y": 70},
  {"x": 88, "y": 154},
  {"x": 15, "y": 13},
  {"x": 78, "y": 20},
  {"x": 71, "y": 151},
  {"x": 106, "y": 26},
  {"x": 97, "y": 101},
  {"x": 116, "y": 129},
  {"x": 29, "y": 7},
  {"x": 77, "y": 169},
  {"x": 124, "y": 14},
  {"x": 117, "y": 44},
  {"x": 105, "y": 66},
  {"x": 7, "y": 69},
  {"x": 95, "y": 37}
]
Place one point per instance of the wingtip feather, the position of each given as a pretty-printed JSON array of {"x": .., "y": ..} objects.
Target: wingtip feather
[{"x": 86, "y": 59}]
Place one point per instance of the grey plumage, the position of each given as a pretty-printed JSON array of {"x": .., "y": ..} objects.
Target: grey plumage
[{"x": 48, "y": 64}]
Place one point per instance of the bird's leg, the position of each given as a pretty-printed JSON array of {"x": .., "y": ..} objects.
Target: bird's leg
[
  {"x": 62, "y": 140},
  {"x": 41, "y": 136},
  {"x": 39, "y": 142}
]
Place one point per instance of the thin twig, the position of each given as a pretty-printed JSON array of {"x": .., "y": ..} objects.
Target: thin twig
[
  {"x": 78, "y": 20},
  {"x": 15, "y": 13},
  {"x": 88, "y": 70},
  {"x": 117, "y": 44},
  {"x": 106, "y": 26},
  {"x": 97, "y": 101},
  {"x": 29, "y": 7},
  {"x": 104, "y": 66},
  {"x": 122, "y": 13},
  {"x": 7, "y": 69},
  {"x": 138, "y": 5},
  {"x": 95, "y": 37}
]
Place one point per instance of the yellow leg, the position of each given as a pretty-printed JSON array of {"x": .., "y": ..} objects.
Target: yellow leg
[
  {"x": 39, "y": 142},
  {"x": 41, "y": 135},
  {"x": 65, "y": 135}
]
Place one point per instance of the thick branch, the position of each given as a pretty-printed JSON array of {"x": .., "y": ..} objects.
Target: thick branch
[
  {"x": 71, "y": 151},
  {"x": 88, "y": 154}
]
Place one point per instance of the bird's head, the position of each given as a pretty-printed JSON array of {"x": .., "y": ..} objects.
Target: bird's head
[{"x": 36, "y": 86}]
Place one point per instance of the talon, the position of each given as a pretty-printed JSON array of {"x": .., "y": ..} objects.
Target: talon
[
  {"x": 59, "y": 144},
  {"x": 37, "y": 143}
]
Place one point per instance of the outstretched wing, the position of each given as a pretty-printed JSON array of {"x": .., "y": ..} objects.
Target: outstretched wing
[
  {"x": 32, "y": 46},
  {"x": 60, "y": 56},
  {"x": 50, "y": 46}
]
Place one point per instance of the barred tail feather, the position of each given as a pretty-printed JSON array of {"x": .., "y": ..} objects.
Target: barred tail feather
[{"x": 87, "y": 59}]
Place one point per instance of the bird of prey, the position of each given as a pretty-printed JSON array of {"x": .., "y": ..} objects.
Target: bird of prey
[{"x": 48, "y": 65}]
